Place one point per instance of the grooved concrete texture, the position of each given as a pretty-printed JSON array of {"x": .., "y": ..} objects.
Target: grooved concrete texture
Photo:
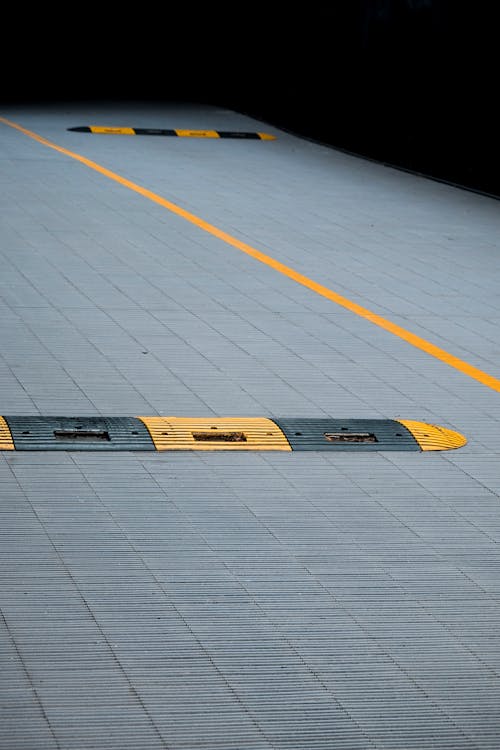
[{"x": 253, "y": 600}]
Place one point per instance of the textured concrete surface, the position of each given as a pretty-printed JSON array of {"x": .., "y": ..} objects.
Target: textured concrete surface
[{"x": 257, "y": 600}]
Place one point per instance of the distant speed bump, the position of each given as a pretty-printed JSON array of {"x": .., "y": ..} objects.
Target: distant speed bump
[
  {"x": 180, "y": 133},
  {"x": 36, "y": 433}
]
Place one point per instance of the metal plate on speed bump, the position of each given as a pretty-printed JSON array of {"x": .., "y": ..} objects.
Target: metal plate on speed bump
[
  {"x": 347, "y": 434},
  {"x": 79, "y": 433}
]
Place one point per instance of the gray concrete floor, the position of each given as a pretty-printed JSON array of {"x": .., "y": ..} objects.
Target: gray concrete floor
[{"x": 243, "y": 600}]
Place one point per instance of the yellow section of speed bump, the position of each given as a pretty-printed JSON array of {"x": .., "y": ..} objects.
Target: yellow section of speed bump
[
  {"x": 111, "y": 131},
  {"x": 207, "y": 434},
  {"x": 431, "y": 437},
  {"x": 6, "y": 442}
]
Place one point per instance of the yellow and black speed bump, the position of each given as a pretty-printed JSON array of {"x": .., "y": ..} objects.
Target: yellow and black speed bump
[
  {"x": 25, "y": 433},
  {"x": 180, "y": 133}
]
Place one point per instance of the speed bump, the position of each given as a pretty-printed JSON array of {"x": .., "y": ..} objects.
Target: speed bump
[
  {"x": 32, "y": 433},
  {"x": 175, "y": 132},
  {"x": 206, "y": 434}
]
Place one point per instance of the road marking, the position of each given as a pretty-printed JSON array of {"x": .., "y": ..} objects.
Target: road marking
[{"x": 363, "y": 312}]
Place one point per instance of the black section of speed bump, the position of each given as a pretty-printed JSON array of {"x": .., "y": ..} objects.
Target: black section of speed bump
[
  {"x": 347, "y": 435},
  {"x": 79, "y": 433}
]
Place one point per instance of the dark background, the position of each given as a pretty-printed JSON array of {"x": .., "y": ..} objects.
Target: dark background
[{"x": 412, "y": 83}]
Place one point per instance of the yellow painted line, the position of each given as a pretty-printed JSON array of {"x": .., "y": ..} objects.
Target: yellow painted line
[
  {"x": 111, "y": 130},
  {"x": 209, "y": 434},
  {"x": 198, "y": 133},
  {"x": 363, "y": 312},
  {"x": 432, "y": 437},
  {"x": 6, "y": 442}
]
